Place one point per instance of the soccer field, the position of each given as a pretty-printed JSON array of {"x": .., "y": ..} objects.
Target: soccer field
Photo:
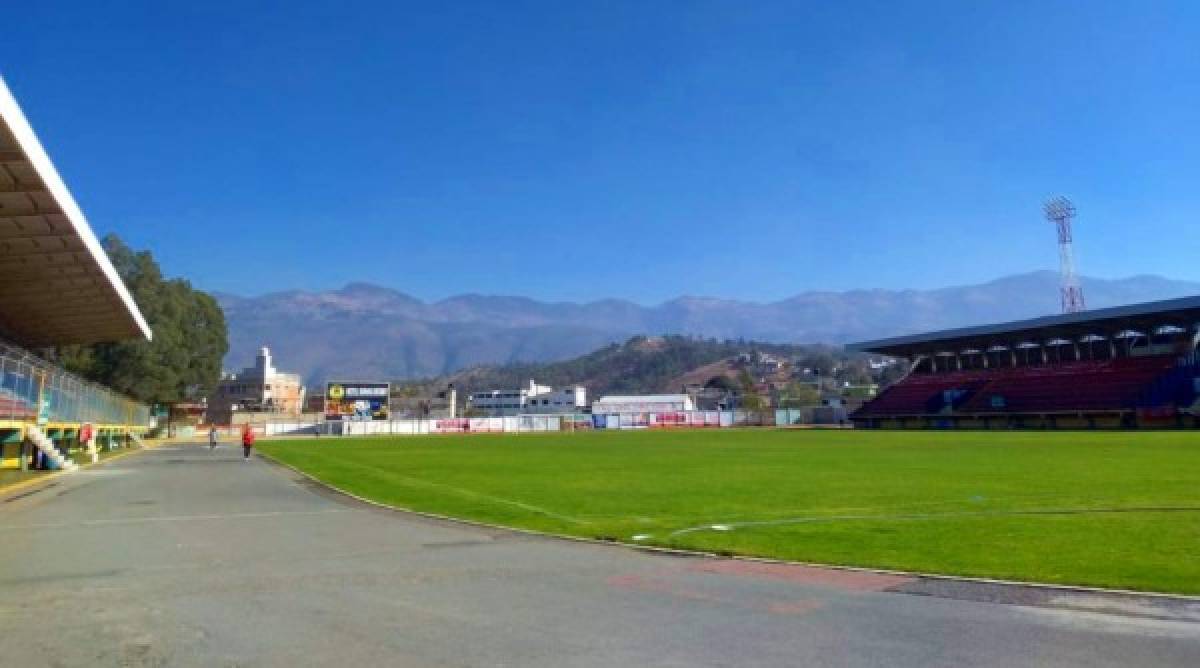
[{"x": 1112, "y": 509}]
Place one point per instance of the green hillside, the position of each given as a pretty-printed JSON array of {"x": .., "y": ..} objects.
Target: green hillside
[{"x": 640, "y": 365}]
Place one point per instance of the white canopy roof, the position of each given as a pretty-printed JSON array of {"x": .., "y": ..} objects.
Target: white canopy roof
[
  {"x": 57, "y": 285},
  {"x": 643, "y": 399}
]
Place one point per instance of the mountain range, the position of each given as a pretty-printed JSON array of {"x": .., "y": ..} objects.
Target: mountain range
[{"x": 365, "y": 331}]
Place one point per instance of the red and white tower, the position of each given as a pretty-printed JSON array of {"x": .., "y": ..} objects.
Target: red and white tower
[{"x": 1061, "y": 212}]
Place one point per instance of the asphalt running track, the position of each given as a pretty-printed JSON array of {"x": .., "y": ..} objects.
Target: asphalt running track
[{"x": 182, "y": 557}]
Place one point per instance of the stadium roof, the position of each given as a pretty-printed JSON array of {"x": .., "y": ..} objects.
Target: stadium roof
[
  {"x": 57, "y": 286},
  {"x": 1183, "y": 312}
]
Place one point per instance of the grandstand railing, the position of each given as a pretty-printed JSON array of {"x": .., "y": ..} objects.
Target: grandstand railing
[{"x": 27, "y": 382}]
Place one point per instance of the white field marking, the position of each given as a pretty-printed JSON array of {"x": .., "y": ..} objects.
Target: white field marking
[
  {"x": 170, "y": 518},
  {"x": 936, "y": 516},
  {"x": 1123, "y": 607},
  {"x": 1111, "y": 623},
  {"x": 642, "y": 536},
  {"x": 480, "y": 495},
  {"x": 103, "y": 472},
  {"x": 1024, "y": 498}
]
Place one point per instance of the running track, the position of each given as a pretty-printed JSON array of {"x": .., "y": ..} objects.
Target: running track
[{"x": 183, "y": 557}]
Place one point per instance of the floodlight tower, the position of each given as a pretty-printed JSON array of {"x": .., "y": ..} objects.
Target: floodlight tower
[{"x": 1061, "y": 212}]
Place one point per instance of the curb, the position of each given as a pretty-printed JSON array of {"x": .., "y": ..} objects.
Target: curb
[
  {"x": 700, "y": 554},
  {"x": 8, "y": 490}
]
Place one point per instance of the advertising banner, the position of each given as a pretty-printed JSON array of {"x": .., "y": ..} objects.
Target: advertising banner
[
  {"x": 452, "y": 425},
  {"x": 357, "y": 401}
]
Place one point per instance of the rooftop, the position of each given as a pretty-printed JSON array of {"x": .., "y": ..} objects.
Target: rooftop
[
  {"x": 59, "y": 286},
  {"x": 643, "y": 398},
  {"x": 1183, "y": 312}
]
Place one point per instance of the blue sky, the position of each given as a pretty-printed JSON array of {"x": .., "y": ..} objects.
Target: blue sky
[{"x": 640, "y": 150}]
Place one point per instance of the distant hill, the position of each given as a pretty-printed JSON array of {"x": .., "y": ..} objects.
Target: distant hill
[
  {"x": 640, "y": 365},
  {"x": 366, "y": 331}
]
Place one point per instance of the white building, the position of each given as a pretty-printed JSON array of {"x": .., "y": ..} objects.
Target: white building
[
  {"x": 882, "y": 363},
  {"x": 644, "y": 403},
  {"x": 533, "y": 399},
  {"x": 257, "y": 389}
]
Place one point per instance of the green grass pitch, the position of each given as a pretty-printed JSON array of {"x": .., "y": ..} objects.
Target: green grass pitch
[{"x": 1111, "y": 509}]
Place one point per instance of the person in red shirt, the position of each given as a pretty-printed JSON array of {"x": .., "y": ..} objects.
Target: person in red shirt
[{"x": 247, "y": 441}]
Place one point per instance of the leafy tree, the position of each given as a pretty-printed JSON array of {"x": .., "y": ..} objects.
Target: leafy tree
[
  {"x": 821, "y": 361},
  {"x": 856, "y": 372},
  {"x": 800, "y": 395},
  {"x": 746, "y": 381},
  {"x": 751, "y": 399},
  {"x": 722, "y": 382},
  {"x": 893, "y": 373},
  {"x": 190, "y": 339}
]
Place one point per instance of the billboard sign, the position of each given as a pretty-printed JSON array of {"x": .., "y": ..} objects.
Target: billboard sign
[{"x": 357, "y": 401}]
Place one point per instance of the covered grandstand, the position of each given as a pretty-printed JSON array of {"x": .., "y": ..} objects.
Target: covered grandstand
[
  {"x": 1129, "y": 366},
  {"x": 57, "y": 286}
]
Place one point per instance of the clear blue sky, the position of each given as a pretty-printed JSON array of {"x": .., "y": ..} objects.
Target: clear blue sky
[{"x": 573, "y": 150}]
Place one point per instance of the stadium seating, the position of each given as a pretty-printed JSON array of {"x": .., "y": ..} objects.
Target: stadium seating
[
  {"x": 1109, "y": 385},
  {"x": 923, "y": 394},
  {"x": 1074, "y": 386},
  {"x": 13, "y": 408},
  {"x": 1176, "y": 387}
]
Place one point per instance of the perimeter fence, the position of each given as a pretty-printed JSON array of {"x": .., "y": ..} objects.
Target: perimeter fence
[
  {"x": 527, "y": 424},
  {"x": 32, "y": 389}
]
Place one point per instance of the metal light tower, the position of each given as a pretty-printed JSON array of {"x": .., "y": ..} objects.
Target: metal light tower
[{"x": 1061, "y": 212}]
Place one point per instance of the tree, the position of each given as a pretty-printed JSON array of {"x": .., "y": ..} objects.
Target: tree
[
  {"x": 721, "y": 382},
  {"x": 855, "y": 372},
  {"x": 190, "y": 338},
  {"x": 893, "y": 373},
  {"x": 820, "y": 361},
  {"x": 800, "y": 395},
  {"x": 751, "y": 399}
]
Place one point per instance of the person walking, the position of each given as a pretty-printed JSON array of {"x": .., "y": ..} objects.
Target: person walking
[
  {"x": 212, "y": 438},
  {"x": 247, "y": 441}
]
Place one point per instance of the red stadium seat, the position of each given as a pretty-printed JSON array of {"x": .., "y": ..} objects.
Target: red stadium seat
[{"x": 1110, "y": 385}]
